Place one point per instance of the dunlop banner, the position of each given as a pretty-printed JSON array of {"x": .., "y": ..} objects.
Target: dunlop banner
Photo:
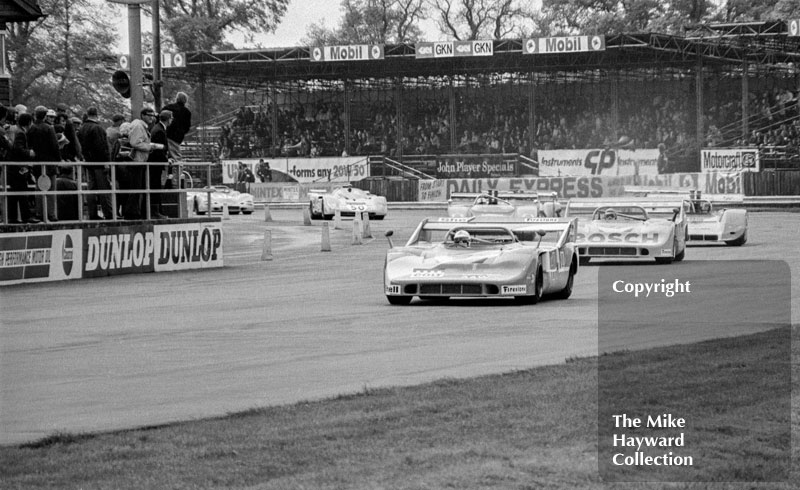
[
  {"x": 598, "y": 162},
  {"x": 711, "y": 184},
  {"x": 302, "y": 170},
  {"x": 188, "y": 246},
  {"x": 40, "y": 256},
  {"x": 110, "y": 251}
]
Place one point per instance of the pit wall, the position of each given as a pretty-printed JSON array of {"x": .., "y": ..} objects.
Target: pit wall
[{"x": 40, "y": 254}]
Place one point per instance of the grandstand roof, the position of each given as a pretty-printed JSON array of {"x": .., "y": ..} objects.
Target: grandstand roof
[{"x": 763, "y": 43}]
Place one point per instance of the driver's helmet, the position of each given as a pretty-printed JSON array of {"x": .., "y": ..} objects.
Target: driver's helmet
[
  {"x": 461, "y": 236},
  {"x": 610, "y": 214},
  {"x": 705, "y": 207}
]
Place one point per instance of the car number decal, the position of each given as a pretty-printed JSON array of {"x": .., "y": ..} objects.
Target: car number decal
[{"x": 426, "y": 273}]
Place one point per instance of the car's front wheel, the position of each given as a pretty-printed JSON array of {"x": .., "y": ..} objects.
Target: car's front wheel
[
  {"x": 739, "y": 241},
  {"x": 538, "y": 289},
  {"x": 567, "y": 291},
  {"x": 399, "y": 300}
]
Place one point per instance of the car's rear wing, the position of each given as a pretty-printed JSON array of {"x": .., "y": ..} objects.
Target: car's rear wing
[{"x": 521, "y": 196}]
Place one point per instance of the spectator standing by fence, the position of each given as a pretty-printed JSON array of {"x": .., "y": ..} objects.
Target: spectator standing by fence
[
  {"x": 139, "y": 141},
  {"x": 43, "y": 141},
  {"x": 19, "y": 176},
  {"x": 181, "y": 124},
  {"x": 94, "y": 143}
]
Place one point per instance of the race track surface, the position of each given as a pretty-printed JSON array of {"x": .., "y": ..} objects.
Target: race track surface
[{"x": 127, "y": 351}]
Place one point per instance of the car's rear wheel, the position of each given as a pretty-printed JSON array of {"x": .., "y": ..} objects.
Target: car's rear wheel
[
  {"x": 399, "y": 300},
  {"x": 538, "y": 288},
  {"x": 739, "y": 241}
]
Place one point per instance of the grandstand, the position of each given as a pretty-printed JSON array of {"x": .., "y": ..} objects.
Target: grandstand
[{"x": 725, "y": 85}]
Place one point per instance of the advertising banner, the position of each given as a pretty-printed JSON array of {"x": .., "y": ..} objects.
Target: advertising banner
[
  {"x": 449, "y": 49},
  {"x": 285, "y": 193},
  {"x": 40, "y": 256},
  {"x": 303, "y": 170},
  {"x": 727, "y": 185},
  {"x": 472, "y": 166},
  {"x": 184, "y": 246},
  {"x": 347, "y": 53},
  {"x": 729, "y": 160},
  {"x": 598, "y": 162},
  {"x": 569, "y": 44},
  {"x": 110, "y": 251}
]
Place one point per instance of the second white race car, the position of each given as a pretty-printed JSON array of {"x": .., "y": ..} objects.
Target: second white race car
[
  {"x": 198, "y": 200},
  {"x": 503, "y": 204},
  {"x": 348, "y": 201}
]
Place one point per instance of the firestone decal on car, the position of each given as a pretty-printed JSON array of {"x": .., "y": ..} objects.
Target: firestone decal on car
[{"x": 521, "y": 289}]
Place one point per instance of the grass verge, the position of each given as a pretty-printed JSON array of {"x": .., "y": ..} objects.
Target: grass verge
[{"x": 523, "y": 430}]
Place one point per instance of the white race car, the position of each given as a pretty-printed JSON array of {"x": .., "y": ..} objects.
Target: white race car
[
  {"x": 483, "y": 257},
  {"x": 503, "y": 204},
  {"x": 630, "y": 228},
  {"x": 706, "y": 224},
  {"x": 197, "y": 199},
  {"x": 348, "y": 200}
]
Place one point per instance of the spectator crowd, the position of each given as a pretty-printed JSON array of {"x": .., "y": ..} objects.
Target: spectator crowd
[{"x": 48, "y": 146}]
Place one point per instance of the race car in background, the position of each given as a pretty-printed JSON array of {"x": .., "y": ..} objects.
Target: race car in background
[
  {"x": 483, "y": 257},
  {"x": 348, "y": 200},
  {"x": 503, "y": 204},
  {"x": 197, "y": 200},
  {"x": 706, "y": 223},
  {"x": 630, "y": 228}
]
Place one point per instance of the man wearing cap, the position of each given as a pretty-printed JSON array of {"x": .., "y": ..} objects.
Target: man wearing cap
[
  {"x": 73, "y": 150},
  {"x": 160, "y": 154},
  {"x": 181, "y": 124},
  {"x": 14, "y": 116},
  {"x": 43, "y": 141},
  {"x": 19, "y": 176},
  {"x": 94, "y": 143}
]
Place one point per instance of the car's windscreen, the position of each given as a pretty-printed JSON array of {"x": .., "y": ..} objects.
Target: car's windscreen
[{"x": 486, "y": 236}]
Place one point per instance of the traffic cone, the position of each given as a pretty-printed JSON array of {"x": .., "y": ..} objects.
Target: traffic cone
[
  {"x": 306, "y": 217},
  {"x": 267, "y": 215},
  {"x": 326, "y": 238},
  {"x": 266, "y": 252},
  {"x": 356, "y": 230},
  {"x": 337, "y": 220},
  {"x": 225, "y": 213},
  {"x": 365, "y": 221}
]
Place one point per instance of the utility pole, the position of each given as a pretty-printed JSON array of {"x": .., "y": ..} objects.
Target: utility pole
[
  {"x": 157, "y": 83},
  {"x": 135, "y": 52}
]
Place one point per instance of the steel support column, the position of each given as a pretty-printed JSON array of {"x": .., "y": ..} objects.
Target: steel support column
[{"x": 745, "y": 99}]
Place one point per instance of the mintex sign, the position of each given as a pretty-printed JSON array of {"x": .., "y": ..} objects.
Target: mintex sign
[{"x": 729, "y": 160}]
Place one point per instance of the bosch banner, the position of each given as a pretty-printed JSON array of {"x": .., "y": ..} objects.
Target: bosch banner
[{"x": 598, "y": 162}]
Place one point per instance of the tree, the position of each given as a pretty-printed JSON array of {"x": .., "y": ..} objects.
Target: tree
[
  {"x": 202, "y": 25},
  {"x": 64, "y": 58},
  {"x": 371, "y": 21},
  {"x": 480, "y": 19}
]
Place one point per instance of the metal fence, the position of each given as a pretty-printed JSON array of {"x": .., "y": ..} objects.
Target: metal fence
[{"x": 47, "y": 195}]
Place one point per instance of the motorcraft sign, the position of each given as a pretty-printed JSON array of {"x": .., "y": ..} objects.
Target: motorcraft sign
[
  {"x": 729, "y": 160},
  {"x": 569, "y": 44},
  {"x": 598, "y": 162},
  {"x": 351, "y": 52}
]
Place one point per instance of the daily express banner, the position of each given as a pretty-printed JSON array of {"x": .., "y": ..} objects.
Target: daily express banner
[
  {"x": 598, "y": 162},
  {"x": 729, "y": 160},
  {"x": 303, "y": 170},
  {"x": 711, "y": 184},
  {"x": 40, "y": 256}
]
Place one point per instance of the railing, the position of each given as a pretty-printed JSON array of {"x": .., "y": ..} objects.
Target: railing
[{"x": 46, "y": 189}]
